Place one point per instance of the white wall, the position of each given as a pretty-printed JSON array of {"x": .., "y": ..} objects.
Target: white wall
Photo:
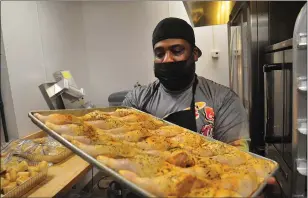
[
  {"x": 63, "y": 40},
  {"x": 7, "y": 97},
  {"x": 118, "y": 45},
  {"x": 23, "y": 51},
  {"x": 208, "y": 38},
  {"x": 84, "y": 37}
]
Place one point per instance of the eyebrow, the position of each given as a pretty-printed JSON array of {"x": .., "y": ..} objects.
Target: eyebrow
[{"x": 172, "y": 46}]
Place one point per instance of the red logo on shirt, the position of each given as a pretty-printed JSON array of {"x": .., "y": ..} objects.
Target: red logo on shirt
[
  {"x": 196, "y": 112},
  {"x": 207, "y": 130},
  {"x": 209, "y": 114}
]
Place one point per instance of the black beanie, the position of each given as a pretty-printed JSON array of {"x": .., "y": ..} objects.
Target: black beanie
[{"x": 174, "y": 28}]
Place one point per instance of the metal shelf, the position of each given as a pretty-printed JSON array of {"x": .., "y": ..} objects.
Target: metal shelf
[
  {"x": 301, "y": 166},
  {"x": 302, "y": 126},
  {"x": 302, "y": 83}
]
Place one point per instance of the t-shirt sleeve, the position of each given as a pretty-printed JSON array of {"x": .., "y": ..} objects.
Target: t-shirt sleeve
[
  {"x": 137, "y": 97},
  {"x": 131, "y": 99},
  {"x": 231, "y": 119}
]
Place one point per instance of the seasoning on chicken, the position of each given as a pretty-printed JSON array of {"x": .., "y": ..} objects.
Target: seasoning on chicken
[
  {"x": 166, "y": 160},
  {"x": 173, "y": 183}
]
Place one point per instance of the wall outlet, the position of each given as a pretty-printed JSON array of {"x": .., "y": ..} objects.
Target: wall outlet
[
  {"x": 215, "y": 53},
  {"x": 236, "y": 52}
]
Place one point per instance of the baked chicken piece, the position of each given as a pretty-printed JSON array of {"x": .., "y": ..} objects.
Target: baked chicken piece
[
  {"x": 98, "y": 115},
  {"x": 131, "y": 136},
  {"x": 95, "y": 135},
  {"x": 111, "y": 149},
  {"x": 105, "y": 122},
  {"x": 232, "y": 158},
  {"x": 178, "y": 157},
  {"x": 152, "y": 124},
  {"x": 94, "y": 115},
  {"x": 147, "y": 164},
  {"x": 120, "y": 125},
  {"x": 173, "y": 183},
  {"x": 159, "y": 143},
  {"x": 187, "y": 139},
  {"x": 225, "y": 178},
  {"x": 77, "y": 129},
  {"x": 123, "y": 112},
  {"x": 127, "y": 115},
  {"x": 261, "y": 167},
  {"x": 81, "y": 128},
  {"x": 242, "y": 183},
  {"x": 58, "y": 118},
  {"x": 82, "y": 139},
  {"x": 213, "y": 148},
  {"x": 86, "y": 130},
  {"x": 142, "y": 164},
  {"x": 168, "y": 131}
]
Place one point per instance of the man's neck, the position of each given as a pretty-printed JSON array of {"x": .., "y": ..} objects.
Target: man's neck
[{"x": 182, "y": 90}]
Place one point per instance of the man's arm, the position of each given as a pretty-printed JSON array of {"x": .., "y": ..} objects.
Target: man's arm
[
  {"x": 241, "y": 144},
  {"x": 131, "y": 99},
  {"x": 136, "y": 97},
  {"x": 231, "y": 122}
]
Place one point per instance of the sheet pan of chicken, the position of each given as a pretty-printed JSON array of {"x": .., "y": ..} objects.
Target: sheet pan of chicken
[{"x": 155, "y": 158}]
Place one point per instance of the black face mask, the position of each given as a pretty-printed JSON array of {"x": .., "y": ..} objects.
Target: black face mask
[{"x": 175, "y": 76}]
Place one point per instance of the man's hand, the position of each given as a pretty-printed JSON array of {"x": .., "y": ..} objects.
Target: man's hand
[
  {"x": 271, "y": 181},
  {"x": 241, "y": 144}
]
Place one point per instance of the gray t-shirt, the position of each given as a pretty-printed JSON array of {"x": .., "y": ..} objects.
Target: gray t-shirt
[{"x": 220, "y": 113}]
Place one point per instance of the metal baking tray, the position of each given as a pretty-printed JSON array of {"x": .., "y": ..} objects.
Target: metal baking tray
[{"x": 102, "y": 167}]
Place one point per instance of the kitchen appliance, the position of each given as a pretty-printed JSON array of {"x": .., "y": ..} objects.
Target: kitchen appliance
[
  {"x": 252, "y": 26},
  {"x": 264, "y": 71},
  {"x": 299, "y": 94},
  {"x": 285, "y": 74},
  {"x": 247, "y": 35},
  {"x": 64, "y": 93},
  {"x": 278, "y": 108}
]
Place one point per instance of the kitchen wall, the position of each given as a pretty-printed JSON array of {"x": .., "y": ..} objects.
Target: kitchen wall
[
  {"x": 118, "y": 45},
  {"x": 106, "y": 46},
  {"x": 87, "y": 38},
  {"x": 24, "y": 60},
  {"x": 208, "y": 38},
  {"x": 7, "y": 98},
  {"x": 84, "y": 37}
]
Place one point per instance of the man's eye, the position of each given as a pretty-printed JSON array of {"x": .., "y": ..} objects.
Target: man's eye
[
  {"x": 178, "y": 51},
  {"x": 160, "y": 54}
]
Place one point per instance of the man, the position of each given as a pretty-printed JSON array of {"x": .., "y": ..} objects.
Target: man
[{"x": 182, "y": 97}]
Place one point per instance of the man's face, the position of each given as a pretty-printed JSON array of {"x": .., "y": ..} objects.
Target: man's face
[{"x": 173, "y": 50}]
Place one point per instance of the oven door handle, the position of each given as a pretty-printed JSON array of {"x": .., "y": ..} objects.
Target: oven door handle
[
  {"x": 272, "y": 67},
  {"x": 278, "y": 139}
]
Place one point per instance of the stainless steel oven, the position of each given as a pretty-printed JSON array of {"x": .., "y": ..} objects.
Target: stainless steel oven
[
  {"x": 278, "y": 98},
  {"x": 285, "y": 90},
  {"x": 278, "y": 109},
  {"x": 264, "y": 78}
]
